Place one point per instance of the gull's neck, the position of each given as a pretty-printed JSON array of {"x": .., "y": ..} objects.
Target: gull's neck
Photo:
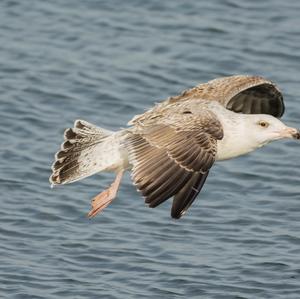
[{"x": 237, "y": 139}]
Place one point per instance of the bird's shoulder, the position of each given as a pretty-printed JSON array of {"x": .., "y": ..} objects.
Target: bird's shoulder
[{"x": 192, "y": 117}]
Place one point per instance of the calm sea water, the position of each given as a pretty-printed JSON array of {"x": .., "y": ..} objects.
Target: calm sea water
[{"x": 105, "y": 61}]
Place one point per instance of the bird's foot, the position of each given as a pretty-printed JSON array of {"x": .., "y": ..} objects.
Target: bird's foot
[
  {"x": 100, "y": 202},
  {"x": 103, "y": 199}
]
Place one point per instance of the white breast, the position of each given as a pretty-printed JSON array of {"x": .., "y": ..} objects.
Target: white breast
[{"x": 231, "y": 148}]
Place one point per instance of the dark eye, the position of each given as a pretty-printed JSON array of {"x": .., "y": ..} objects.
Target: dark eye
[{"x": 263, "y": 124}]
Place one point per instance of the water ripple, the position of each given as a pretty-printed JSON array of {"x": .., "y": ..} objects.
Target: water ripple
[{"x": 105, "y": 62}]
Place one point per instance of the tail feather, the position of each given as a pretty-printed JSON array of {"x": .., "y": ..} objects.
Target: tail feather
[{"x": 77, "y": 157}]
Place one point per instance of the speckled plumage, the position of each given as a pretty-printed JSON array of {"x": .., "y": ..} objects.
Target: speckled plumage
[
  {"x": 246, "y": 94},
  {"x": 171, "y": 147}
]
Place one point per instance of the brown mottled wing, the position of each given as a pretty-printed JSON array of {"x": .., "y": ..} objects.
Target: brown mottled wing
[
  {"x": 166, "y": 156},
  {"x": 242, "y": 94},
  {"x": 155, "y": 175},
  {"x": 245, "y": 94}
]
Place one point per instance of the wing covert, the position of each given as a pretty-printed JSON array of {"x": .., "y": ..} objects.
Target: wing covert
[{"x": 170, "y": 157}]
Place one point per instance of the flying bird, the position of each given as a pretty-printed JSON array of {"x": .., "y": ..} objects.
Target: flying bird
[{"x": 171, "y": 148}]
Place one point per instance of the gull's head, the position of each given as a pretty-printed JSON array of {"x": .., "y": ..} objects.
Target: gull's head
[{"x": 266, "y": 128}]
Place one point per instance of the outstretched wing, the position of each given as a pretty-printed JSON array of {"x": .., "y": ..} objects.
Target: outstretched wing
[
  {"x": 242, "y": 94},
  {"x": 245, "y": 94},
  {"x": 171, "y": 156}
]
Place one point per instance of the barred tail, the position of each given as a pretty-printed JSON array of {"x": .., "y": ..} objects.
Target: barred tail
[{"x": 78, "y": 157}]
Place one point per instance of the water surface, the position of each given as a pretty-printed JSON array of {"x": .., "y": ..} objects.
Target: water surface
[{"x": 105, "y": 61}]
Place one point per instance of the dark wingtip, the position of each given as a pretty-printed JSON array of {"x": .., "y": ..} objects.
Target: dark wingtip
[{"x": 176, "y": 215}]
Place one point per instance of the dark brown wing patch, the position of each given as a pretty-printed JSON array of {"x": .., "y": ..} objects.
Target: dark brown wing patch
[
  {"x": 169, "y": 160},
  {"x": 155, "y": 175},
  {"x": 261, "y": 99},
  {"x": 241, "y": 93},
  {"x": 172, "y": 155},
  {"x": 186, "y": 196},
  {"x": 192, "y": 143}
]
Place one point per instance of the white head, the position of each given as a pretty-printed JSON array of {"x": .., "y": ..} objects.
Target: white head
[
  {"x": 243, "y": 133},
  {"x": 265, "y": 128}
]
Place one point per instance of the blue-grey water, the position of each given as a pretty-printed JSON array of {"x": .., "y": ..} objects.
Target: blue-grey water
[{"x": 105, "y": 61}]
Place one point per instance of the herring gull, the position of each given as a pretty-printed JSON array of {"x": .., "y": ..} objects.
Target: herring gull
[{"x": 171, "y": 147}]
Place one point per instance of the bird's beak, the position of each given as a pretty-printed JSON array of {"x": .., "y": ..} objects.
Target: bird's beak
[{"x": 290, "y": 133}]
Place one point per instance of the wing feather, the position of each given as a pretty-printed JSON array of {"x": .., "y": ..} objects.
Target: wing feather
[
  {"x": 186, "y": 196},
  {"x": 236, "y": 93},
  {"x": 173, "y": 155},
  {"x": 156, "y": 176}
]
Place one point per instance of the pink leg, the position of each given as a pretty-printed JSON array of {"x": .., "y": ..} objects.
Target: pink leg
[{"x": 103, "y": 199}]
